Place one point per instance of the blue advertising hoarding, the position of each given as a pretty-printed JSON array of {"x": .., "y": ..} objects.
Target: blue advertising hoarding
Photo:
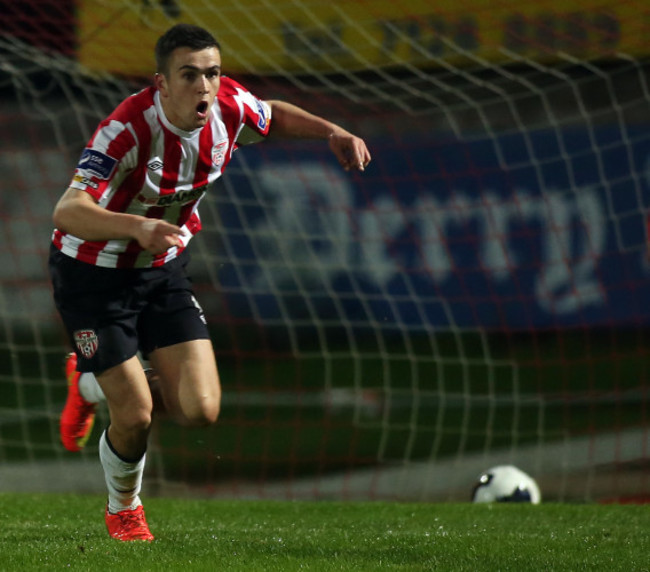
[{"x": 522, "y": 231}]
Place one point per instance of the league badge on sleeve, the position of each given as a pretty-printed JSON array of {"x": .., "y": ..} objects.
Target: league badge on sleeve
[
  {"x": 96, "y": 163},
  {"x": 263, "y": 114}
]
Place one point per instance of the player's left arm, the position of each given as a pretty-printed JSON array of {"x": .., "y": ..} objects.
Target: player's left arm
[{"x": 288, "y": 120}]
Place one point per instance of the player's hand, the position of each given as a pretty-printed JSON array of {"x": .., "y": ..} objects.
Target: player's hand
[
  {"x": 158, "y": 236},
  {"x": 350, "y": 150}
]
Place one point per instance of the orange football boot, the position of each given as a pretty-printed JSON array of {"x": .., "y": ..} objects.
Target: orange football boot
[
  {"x": 128, "y": 525},
  {"x": 78, "y": 414}
]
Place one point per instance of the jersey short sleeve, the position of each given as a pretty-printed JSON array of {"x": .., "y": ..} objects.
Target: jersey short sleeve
[
  {"x": 256, "y": 113},
  {"x": 110, "y": 153}
]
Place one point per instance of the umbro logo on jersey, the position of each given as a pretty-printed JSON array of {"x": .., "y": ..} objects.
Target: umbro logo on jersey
[{"x": 154, "y": 165}]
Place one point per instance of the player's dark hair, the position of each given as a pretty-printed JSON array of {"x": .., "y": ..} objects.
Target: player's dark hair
[{"x": 182, "y": 36}]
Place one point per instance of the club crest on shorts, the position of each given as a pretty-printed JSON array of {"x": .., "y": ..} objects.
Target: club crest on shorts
[{"x": 87, "y": 342}]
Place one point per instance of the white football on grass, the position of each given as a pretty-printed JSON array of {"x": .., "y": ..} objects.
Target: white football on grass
[{"x": 506, "y": 483}]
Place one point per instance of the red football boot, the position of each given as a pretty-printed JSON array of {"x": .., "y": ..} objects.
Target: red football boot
[
  {"x": 128, "y": 525},
  {"x": 78, "y": 414}
]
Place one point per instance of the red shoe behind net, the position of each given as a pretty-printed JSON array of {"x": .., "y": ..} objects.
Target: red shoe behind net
[
  {"x": 128, "y": 525},
  {"x": 78, "y": 414}
]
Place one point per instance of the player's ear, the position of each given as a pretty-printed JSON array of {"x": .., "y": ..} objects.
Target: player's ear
[{"x": 161, "y": 83}]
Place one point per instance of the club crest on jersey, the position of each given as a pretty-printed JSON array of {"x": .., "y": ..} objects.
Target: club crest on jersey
[
  {"x": 96, "y": 163},
  {"x": 87, "y": 342},
  {"x": 219, "y": 153}
]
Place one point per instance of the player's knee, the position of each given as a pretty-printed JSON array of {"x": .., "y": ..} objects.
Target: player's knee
[
  {"x": 205, "y": 412},
  {"x": 206, "y": 415},
  {"x": 137, "y": 422}
]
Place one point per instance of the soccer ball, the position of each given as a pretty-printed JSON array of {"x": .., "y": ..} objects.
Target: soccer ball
[{"x": 506, "y": 483}]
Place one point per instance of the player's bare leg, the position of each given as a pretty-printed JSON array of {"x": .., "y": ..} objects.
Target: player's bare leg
[
  {"x": 130, "y": 406},
  {"x": 84, "y": 394},
  {"x": 189, "y": 381},
  {"x": 123, "y": 446}
]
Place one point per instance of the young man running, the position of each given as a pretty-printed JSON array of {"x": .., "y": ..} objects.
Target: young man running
[{"x": 118, "y": 257}]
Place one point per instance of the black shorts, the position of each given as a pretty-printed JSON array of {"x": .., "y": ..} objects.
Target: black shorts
[{"x": 112, "y": 313}]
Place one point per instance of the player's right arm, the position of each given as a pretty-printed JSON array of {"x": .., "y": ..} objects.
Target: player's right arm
[{"x": 77, "y": 213}]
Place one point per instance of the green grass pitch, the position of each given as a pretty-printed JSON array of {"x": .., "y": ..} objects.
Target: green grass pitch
[{"x": 48, "y": 531}]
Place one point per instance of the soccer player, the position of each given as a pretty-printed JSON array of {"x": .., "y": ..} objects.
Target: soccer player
[{"x": 118, "y": 256}]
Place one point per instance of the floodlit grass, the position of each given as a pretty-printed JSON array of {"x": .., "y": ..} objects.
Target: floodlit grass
[{"x": 39, "y": 532}]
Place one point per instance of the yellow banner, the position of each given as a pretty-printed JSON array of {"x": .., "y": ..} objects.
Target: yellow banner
[{"x": 266, "y": 37}]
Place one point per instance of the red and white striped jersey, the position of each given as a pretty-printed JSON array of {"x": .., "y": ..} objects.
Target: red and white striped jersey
[{"x": 137, "y": 162}]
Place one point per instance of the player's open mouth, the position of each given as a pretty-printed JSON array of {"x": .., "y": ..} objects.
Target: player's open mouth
[{"x": 202, "y": 109}]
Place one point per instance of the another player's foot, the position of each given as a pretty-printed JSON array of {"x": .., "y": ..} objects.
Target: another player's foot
[
  {"x": 128, "y": 525},
  {"x": 78, "y": 414}
]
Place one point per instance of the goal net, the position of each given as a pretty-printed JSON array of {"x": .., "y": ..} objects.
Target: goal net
[{"x": 477, "y": 297}]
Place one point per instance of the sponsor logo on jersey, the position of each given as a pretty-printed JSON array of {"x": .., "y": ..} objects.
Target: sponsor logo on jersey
[
  {"x": 85, "y": 181},
  {"x": 154, "y": 164},
  {"x": 180, "y": 197},
  {"x": 97, "y": 163},
  {"x": 219, "y": 153},
  {"x": 87, "y": 342}
]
